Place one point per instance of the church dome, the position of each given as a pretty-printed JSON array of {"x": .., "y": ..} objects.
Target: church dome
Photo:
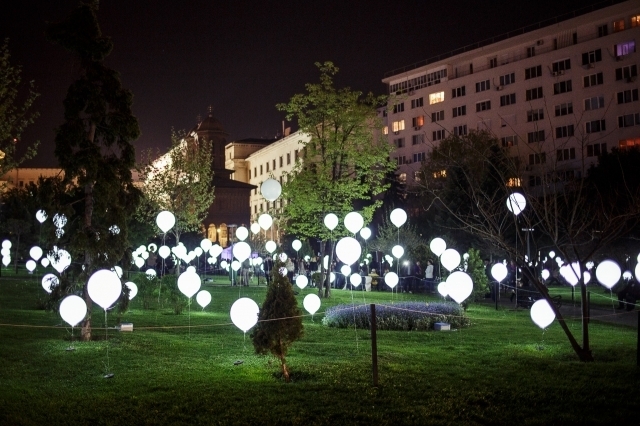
[{"x": 210, "y": 124}]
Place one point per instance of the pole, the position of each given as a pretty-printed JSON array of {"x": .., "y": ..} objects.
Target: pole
[
  {"x": 638, "y": 344},
  {"x": 374, "y": 345}
]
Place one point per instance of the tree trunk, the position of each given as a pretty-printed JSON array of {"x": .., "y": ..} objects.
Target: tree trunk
[
  {"x": 327, "y": 290},
  {"x": 322, "y": 271},
  {"x": 85, "y": 332},
  {"x": 585, "y": 321}
]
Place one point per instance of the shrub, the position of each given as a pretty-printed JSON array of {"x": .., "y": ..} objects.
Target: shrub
[{"x": 406, "y": 316}]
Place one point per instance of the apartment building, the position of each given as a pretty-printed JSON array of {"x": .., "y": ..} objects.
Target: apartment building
[{"x": 558, "y": 95}]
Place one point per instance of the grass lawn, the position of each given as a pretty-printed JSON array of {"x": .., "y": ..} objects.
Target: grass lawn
[{"x": 500, "y": 370}]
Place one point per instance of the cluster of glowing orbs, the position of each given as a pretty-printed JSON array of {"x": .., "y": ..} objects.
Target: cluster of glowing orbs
[
  {"x": 215, "y": 250},
  {"x": 355, "y": 280},
  {"x": 203, "y": 298},
  {"x": 60, "y": 259},
  {"x": 499, "y": 272},
  {"x": 450, "y": 259},
  {"x": 73, "y": 309},
  {"x": 41, "y": 216},
  {"x": 437, "y": 246},
  {"x": 265, "y": 221},
  {"x": 241, "y": 251},
  {"x": 608, "y": 273},
  {"x": 189, "y": 283},
  {"x": 331, "y": 221},
  {"x": 348, "y": 250},
  {"x": 397, "y": 251},
  {"x": 353, "y": 222},
  {"x": 270, "y": 246},
  {"x": 165, "y": 221},
  {"x": 302, "y": 281},
  {"x": 365, "y": 233},
  {"x": 255, "y": 227},
  {"x": 398, "y": 217},
  {"x": 114, "y": 229},
  {"x": 104, "y": 288},
  {"x": 459, "y": 286},
  {"x": 542, "y": 314},
  {"x": 133, "y": 289},
  {"x": 516, "y": 203},
  {"x": 391, "y": 279},
  {"x": 49, "y": 281},
  {"x": 271, "y": 189},
  {"x": 35, "y": 253},
  {"x": 311, "y": 303},
  {"x": 244, "y": 313},
  {"x": 242, "y": 233},
  {"x": 296, "y": 245}
]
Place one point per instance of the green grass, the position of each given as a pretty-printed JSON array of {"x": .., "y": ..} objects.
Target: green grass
[{"x": 500, "y": 370}]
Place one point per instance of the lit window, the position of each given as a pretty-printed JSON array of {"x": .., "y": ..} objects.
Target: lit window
[
  {"x": 635, "y": 21},
  {"x": 618, "y": 25},
  {"x": 398, "y": 126},
  {"x": 623, "y": 49},
  {"x": 509, "y": 141},
  {"x": 385, "y": 130},
  {"x": 625, "y": 143},
  {"x": 418, "y": 121},
  {"x": 402, "y": 177},
  {"x": 514, "y": 182},
  {"x": 440, "y": 174},
  {"x": 435, "y": 98}
]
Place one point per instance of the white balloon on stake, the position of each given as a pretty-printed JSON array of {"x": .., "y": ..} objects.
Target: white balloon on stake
[
  {"x": 60, "y": 259},
  {"x": 6, "y": 260},
  {"x": 206, "y": 244},
  {"x": 44, "y": 262},
  {"x": 398, "y": 217},
  {"x": 345, "y": 270},
  {"x": 73, "y": 309},
  {"x": 438, "y": 246},
  {"x": 311, "y": 303},
  {"x": 271, "y": 189},
  {"x": 31, "y": 265},
  {"x": 545, "y": 274},
  {"x": 296, "y": 244},
  {"x": 397, "y": 251},
  {"x": 391, "y": 279},
  {"x": 459, "y": 286},
  {"x": 241, "y": 251},
  {"x": 302, "y": 281},
  {"x": 608, "y": 273},
  {"x": 442, "y": 289},
  {"x": 516, "y": 203},
  {"x": 499, "y": 272},
  {"x": 133, "y": 289},
  {"x": 331, "y": 221},
  {"x": 41, "y": 216},
  {"x": 35, "y": 253},
  {"x": 203, "y": 298},
  {"x": 165, "y": 221},
  {"x": 365, "y": 233},
  {"x": 353, "y": 222},
  {"x": 244, "y": 313},
  {"x": 450, "y": 259},
  {"x": 542, "y": 314},
  {"x": 355, "y": 280},
  {"x": 6, "y": 244},
  {"x": 265, "y": 220},
  {"x": 189, "y": 283},
  {"x": 49, "y": 281},
  {"x": 255, "y": 227},
  {"x": 242, "y": 233},
  {"x": 104, "y": 288},
  {"x": 348, "y": 250}
]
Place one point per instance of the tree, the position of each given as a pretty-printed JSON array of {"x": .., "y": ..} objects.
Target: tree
[
  {"x": 94, "y": 148},
  {"x": 180, "y": 182},
  {"x": 471, "y": 177},
  {"x": 344, "y": 162},
  {"x": 279, "y": 321},
  {"x": 15, "y": 111}
]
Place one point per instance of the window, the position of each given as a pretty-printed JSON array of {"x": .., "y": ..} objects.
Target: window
[
  {"x": 418, "y": 121},
  {"x": 460, "y": 130},
  {"x": 566, "y": 154},
  {"x": 402, "y": 177},
  {"x": 564, "y": 131},
  {"x": 249, "y": 173},
  {"x": 438, "y": 135},
  {"x": 514, "y": 182},
  {"x": 440, "y": 174},
  {"x": 273, "y": 164},
  {"x": 419, "y": 157},
  {"x": 603, "y": 30},
  {"x": 288, "y": 158},
  {"x": 385, "y": 130},
  {"x": 281, "y": 162},
  {"x": 507, "y": 99},
  {"x": 416, "y": 176},
  {"x": 398, "y": 126},
  {"x": 533, "y": 72},
  {"x": 437, "y": 116},
  {"x": 267, "y": 166},
  {"x": 628, "y": 73},
  {"x": 509, "y": 141},
  {"x": 481, "y": 86},
  {"x": 417, "y": 103},
  {"x": 436, "y": 76},
  {"x": 635, "y": 21},
  {"x": 625, "y": 143},
  {"x": 627, "y": 96},
  {"x": 593, "y": 79},
  {"x": 596, "y": 149},
  {"x": 540, "y": 158},
  {"x": 483, "y": 106},
  {"x": 595, "y": 126},
  {"x": 458, "y": 91},
  {"x": 559, "y": 67},
  {"x": 537, "y": 136},
  {"x": 624, "y": 49},
  {"x": 398, "y": 108},
  {"x": 402, "y": 160},
  {"x": 507, "y": 79},
  {"x": 417, "y": 139},
  {"x": 531, "y": 52},
  {"x": 591, "y": 57},
  {"x": 629, "y": 120},
  {"x": 461, "y": 110},
  {"x": 532, "y": 94},
  {"x": 562, "y": 87},
  {"x": 595, "y": 102},
  {"x": 435, "y": 98},
  {"x": 399, "y": 142},
  {"x": 255, "y": 171},
  {"x": 618, "y": 25},
  {"x": 261, "y": 170},
  {"x": 535, "y": 181},
  {"x": 564, "y": 109},
  {"x": 535, "y": 115},
  {"x": 493, "y": 62}
]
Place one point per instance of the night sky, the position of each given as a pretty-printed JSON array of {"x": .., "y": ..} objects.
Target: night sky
[{"x": 241, "y": 57}]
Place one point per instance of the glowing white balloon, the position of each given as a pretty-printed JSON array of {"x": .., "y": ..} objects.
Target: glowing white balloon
[
  {"x": 442, "y": 289},
  {"x": 255, "y": 227},
  {"x": 49, "y": 281},
  {"x": 117, "y": 270},
  {"x": 31, "y": 265},
  {"x": 139, "y": 262},
  {"x": 542, "y": 314},
  {"x": 331, "y": 221},
  {"x": 114, "y": 229},
  {"x": 235, "y": 265},
  {"x": 345, "y": 270},
  {"x": 271, "y": 189},
  {"x": 516, "y": 203},
  {"x": 198, "y": 251},
  {"x": 6, "y": 244},
  {"x": 265, "y": 221},
  {"x": 355, "y": 280},
  {"x": 365, "y": 233},
  {"x": 348, "y": 250},
  {"x": 283, "y": 257},
  {"x": 353, "y": 222},
  {"x": 552, "y": 254},
  {"x": 459, "y": 286},
  {"x": 311, "y": 303},
  {"x": 41, "y": 216},
  {"x": 44, "y": 262},
  {"x": 206, "y": 244},
  {"x": 63, "y": 259},
  {"x": 302, "y": 281},
  {"x": 150, "y": 273},
  {"x": 215, "y": 250},
  {"x": 587, "y": 276},
  {"x": 571, "y": 273},
  {"x": 59, "y": 220},
  {"x": 144, "y": 255},
  {"x": 438, "y": 246},
  {"x": 242, "y": 233},
  {"x": 296, "y": 245},
  {"x": 35, "y": 253},
  {"x": 545, "y": 274},
  {"x": 391, "y": 279},
  {"x": 270, "y": 246},
  {"x": 203, "y": 298},
  {"x": 152, "y": 247},
  {"x": 450, "y": 259},
  {"x": 133, "y": 289},
  {"x": 189, "y": 283},
  {"x": 608, "y": 273},
  {"x": 104, "y": 288},
  {"x": 6, "y": 260},
  {"x": 397, "y": 251},
  {"x": 165, "y": 221},
  {"x": 224, "y": 264},
  {"x": 499, "y": 272},
  {"x": 398, "y": 217},
  {"x": 241, "y": 251},
  {"x": 73, "y": 310},
  {"x": 5, "y": 252},
  {"x": 244, "y": 313},
  {"x": 637, "y": 272},
  {"x": 191, "y": 268},
  {"x": 332, "y": 277}
]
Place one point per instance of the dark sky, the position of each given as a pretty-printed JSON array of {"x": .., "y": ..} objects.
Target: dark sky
[{"x": 243, "y": 57}]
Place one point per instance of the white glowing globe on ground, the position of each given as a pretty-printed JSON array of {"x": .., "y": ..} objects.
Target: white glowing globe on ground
[
  {"x": 49, "y": 281},
  {"x": 241, "y": 251},
  {"x": 459, "y": 286},
  {"x": 270, "y": 246},
  {"x": 31, "y": 265},
  {"x": 331, "y": 221},
  {"x": 353, "y": 222},
  {"x": 311, "y": 303},
  {"x": 189, "y": 283},
  {"x": 44, "y": 262},
  {"x": 35, "y": 253},
  {"x": 255, "y": 227},
  {"x": 244, "y": 313},
  {"x": 348, "y": 250},
  {"x": 73, "y": 309},
  {"x": 104, "y": 288},
  {"x": 6, "y": 260},
  {"x": 191, "y": 268},
  {"x": 165, "y": 221},
  {"x": 391, "y": 279},
  {"x": 608, "y": 273},
  {"x": 265, "y": 221},
  {"x": 397, "y": 251},
  {"x": 545, "y": 274},
  {"x": 499, "y": 272},
  {"x": 365, "y": 233},
  {"x": 203, "y": 298},
  {"x": 516, "y": 203},
  {"x": 355, "y": 280},
  {"x": 438, "y": 246},
  {"x": 242, "y": 233},
  {"x": 302, "y": 281},
  {"x": 41, "y": 216},
  {"x": 542, "y": 314},
  {"x": 133, "y": 289},
  {"x": 450, "y": 259},
  {"x": 398, "y": 217},
  {"x": 442, "y": 289},
  {"x": 296, "y": 245},
  {"x": 271, "y": 189}
]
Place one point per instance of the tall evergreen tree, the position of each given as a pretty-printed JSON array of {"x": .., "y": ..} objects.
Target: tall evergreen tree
[{"x": 94, "y": 147}]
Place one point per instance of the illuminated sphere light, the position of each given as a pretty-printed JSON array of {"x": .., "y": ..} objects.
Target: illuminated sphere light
[
  {"x": 5, "y": 252},
  {"x": 311, "y": 303},
  {"x": 114, "y": 229},
  {"x": 41, "y": 216},
  {"x": 608, "y": 273},
  {"x": 307, "y": 258},
  {"x": 198, "y": 251},
  {"x": 189, "y": 283},
  {"x": 73, "y": 309},
  {"x": 437, "y": 246},
  {"x": 6, "y": 244},
  {"x": 590, "y": 265},
  {"x": 542, "y": 314},
  {"x": 391, "y": 279},
  {"x": 63, "y": 259},
  {"x": 255, "y": 227},
  {"x": 459, "y": 286},
  {"x": 265, "y": 221},
  {"x": 44, "y": 262},
  {"x": 332, "y": 277},
  {"x": 450, "y": 259},
  {"x": 35, "y": 253},
  {"x": 271, "y": 246},
  {"x": 365, "y": 233},
  {"x": 191, "y": 268},
  {"x": 104, "y": 288},
  {"x": 144, "y": 255},
  {"x": 258, "y": 260},
  {"x": 49, "y": 281},
  {"x": 242, "y": 233},
  {"x": 6, "y": 260},
  {"x": 571, "y": 273},
  {"x": 397, "y": 251},
  {"x": 296, "y": 245},
  {"x": 139, "y": 262},
  {"x": 203, "y": 298},
  {"x": 587, "y": 276},
  {"x": 59, "y": 220},
  {"x": 152, "y": 247},
  {"x": 31, "y": 265},
  {"x": 355, "y": 280},
  {"x": 302, "y": 281},
  {"x": 499, "y": 272},
  {"x": 283, "y": 257},
  {"x": 224, "y": 264},
  {"x": 325, "y": 261},
  {"x": 331, "y": 221},
  {"x": 345, "y": 270},
  {"x": 212, "y": 260},
  {"x": 627, "y": 275},
  {"x": 545, "y": 274},
  {"x": 241, "y": 251},
  {"x": 117, "y": 270},
  {"x": 552, "y": 254},
  {"x": 637, "y": 271},
  {"x": 516, "y": 203},
  {"x": 165, "y": 221},
  {"x": 283, "y": 271},
  {"x": 442, "y": 289},
  {"x": 271, "y": 189},
  {"x": 205, "y": 244},
  {"x": 150, "y": 273},
  {"x": 133, "y": 289},
  {"x": 215, "y": 250},
  {"x": 244, "y": 313},
  {"x": 60, "y": 233},
  {"x": 235, "y": 265},
  {"x": 398, "y": 217},
  {"x": 348, "y": 250},
  {"x": 353, "y": 222}
]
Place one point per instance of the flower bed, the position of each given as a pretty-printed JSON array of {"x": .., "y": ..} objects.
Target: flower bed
[{"x": 398, "y": 316}]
